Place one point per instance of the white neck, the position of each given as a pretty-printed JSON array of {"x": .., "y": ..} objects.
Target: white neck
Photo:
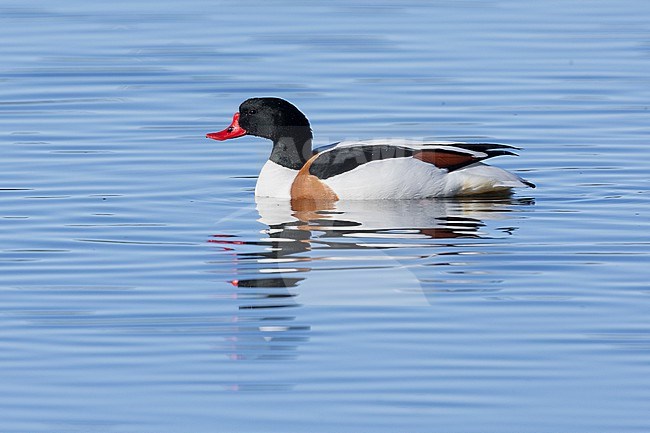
[{"x": 275, "y": 181}]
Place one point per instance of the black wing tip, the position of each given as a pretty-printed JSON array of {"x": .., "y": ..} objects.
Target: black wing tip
[
  {"x": 499, "y": 152},
  {"x": 490, "y": 149},
  {"x": 501, "y": 146},
  {"x": 529, "y": 183}
]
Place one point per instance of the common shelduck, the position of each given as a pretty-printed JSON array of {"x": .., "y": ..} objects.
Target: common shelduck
[{"x": 366, "y": 169}]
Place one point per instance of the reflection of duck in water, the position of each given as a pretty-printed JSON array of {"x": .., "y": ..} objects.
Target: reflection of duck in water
[
  {"x": 398, "y": 219},
  {"x": 354, "y": 252},
  {"x": 363, "y": 170},
  {"x": 301, "y": 239}
]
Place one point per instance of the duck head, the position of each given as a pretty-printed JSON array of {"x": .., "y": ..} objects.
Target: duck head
[{"x": 277, "y": 120}]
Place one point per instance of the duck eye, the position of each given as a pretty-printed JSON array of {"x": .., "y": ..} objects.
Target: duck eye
[{"x": 252, "y": 111}]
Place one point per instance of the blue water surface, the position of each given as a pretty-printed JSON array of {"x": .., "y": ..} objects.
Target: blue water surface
[{"x": 143, "y": 289}]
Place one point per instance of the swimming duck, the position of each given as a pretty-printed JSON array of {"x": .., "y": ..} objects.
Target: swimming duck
[{"x": 366, "y": 169}]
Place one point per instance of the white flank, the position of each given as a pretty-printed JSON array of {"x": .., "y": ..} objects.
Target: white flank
[
  {"x": 409, "y": 178},
  {"x": 399, "y": 178}
]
